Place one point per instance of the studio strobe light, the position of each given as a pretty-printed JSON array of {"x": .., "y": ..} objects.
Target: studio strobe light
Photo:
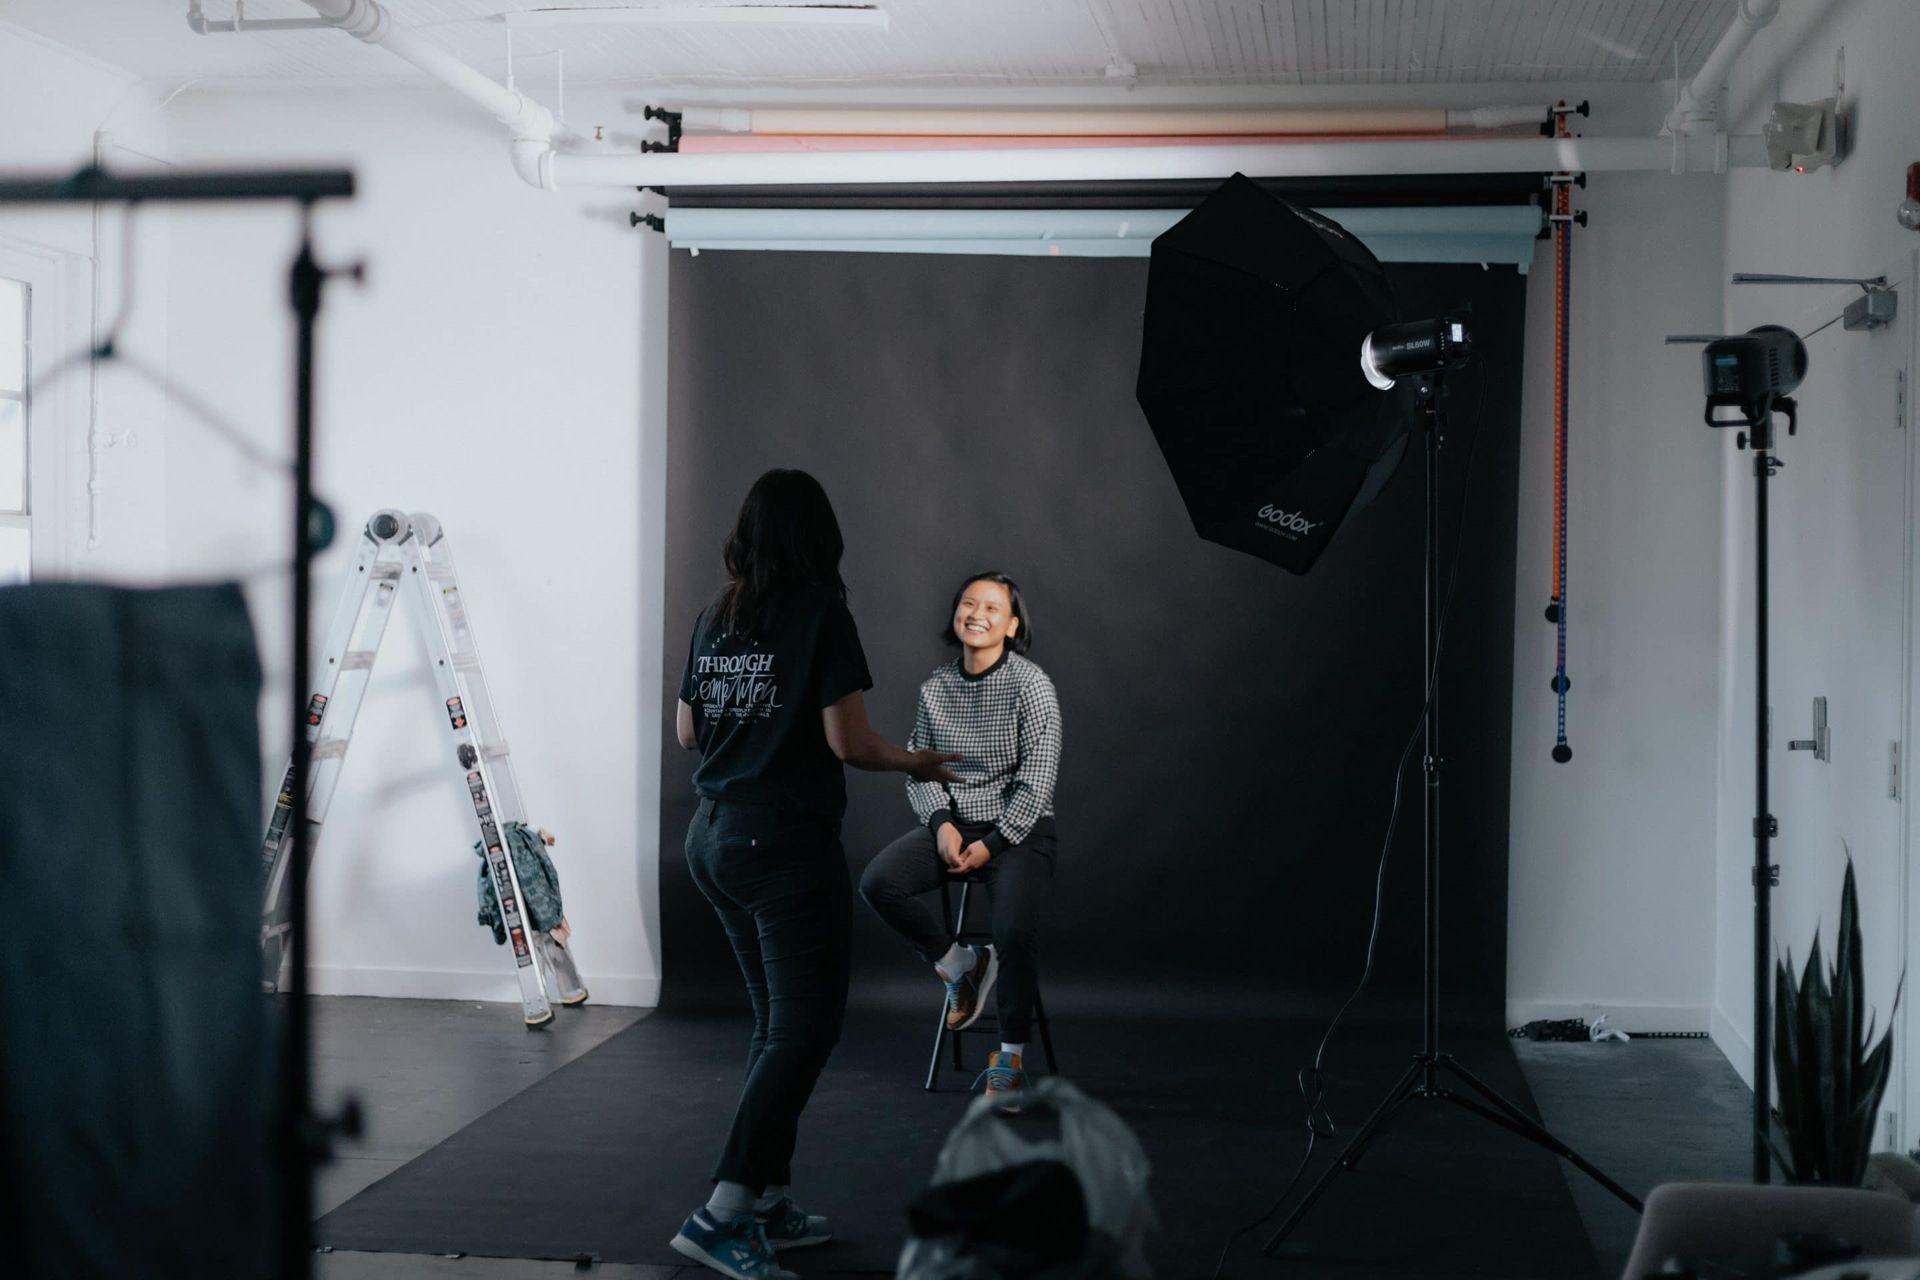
[
  {"x": 1281, "y": 384},
  {"x": 1419, "y": 347},
  {"x": 1752, "y": 372}
]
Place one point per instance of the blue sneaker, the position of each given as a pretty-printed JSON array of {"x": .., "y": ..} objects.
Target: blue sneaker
[
  {"x": 967, "y": 994},
  {"x": 734, "y": 1247},
  {"x": 787, "y": 1226},
  {"x": 1005, "y": 1075}
]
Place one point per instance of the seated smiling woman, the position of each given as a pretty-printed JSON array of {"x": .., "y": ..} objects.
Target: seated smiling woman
[{"x": 997, "y": 710}]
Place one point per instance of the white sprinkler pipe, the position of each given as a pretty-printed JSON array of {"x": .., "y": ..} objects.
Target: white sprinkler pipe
[
  {"x": 532, "y": 128},
  {"x": 1699, "y": 99},
  {"x": 941, "y": 122},
  {"x": 534, "y": 133}
]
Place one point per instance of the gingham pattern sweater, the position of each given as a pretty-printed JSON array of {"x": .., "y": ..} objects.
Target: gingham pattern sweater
[{"x": 1005, "y": 724}]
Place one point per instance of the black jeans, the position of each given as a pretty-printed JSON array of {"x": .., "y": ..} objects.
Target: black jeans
[
  {"x": 779, "y": 884},
  {"x": 1016, "y": 881}
]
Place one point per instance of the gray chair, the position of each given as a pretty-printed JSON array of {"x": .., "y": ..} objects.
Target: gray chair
[{"x": 1739, "y": 1222}]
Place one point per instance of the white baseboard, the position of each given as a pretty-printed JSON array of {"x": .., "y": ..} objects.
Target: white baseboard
[
  {"x": 1622, "y": 1017},
  {"x": 624, "y": 990},
  {"x": 1735, "y": 1042}
]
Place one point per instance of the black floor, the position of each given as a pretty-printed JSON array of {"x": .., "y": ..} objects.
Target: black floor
[{"x": 1648, "y": 1112}]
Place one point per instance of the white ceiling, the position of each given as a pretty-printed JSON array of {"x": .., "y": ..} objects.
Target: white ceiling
[{"x": 942, "y": 42}]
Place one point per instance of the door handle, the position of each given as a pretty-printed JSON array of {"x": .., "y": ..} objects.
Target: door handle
[{"x": 1821, "y": 743}]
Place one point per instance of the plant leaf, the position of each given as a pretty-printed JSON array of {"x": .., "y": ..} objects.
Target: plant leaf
[
  {"x": 1849, "y": 993},
  {"x": 1818, "y": 1112},
  {"x": 1786, "y": 1056}
]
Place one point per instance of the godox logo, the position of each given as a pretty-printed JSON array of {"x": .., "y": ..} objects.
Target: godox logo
[{"x": 1291, "y": 521}]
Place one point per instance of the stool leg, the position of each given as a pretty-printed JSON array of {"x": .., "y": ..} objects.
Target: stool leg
[
  {"x": 1046, "y": 1032},
  {"x": 933, "y": 1063},
  {"x": 959, "y": 927}
]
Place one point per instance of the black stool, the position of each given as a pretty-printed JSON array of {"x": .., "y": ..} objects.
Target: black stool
[{"x": 962, "y": 934}]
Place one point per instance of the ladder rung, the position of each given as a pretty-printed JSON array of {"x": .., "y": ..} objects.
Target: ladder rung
[
  {"x": 384, "y": 573},
  {"x": 494, "y": 751},
  {"x": 357, "y": 660},
  {"x": 440, "y": 572},
  {"x": 466, "y": 660},
  {"x": 329, "y": 749}
]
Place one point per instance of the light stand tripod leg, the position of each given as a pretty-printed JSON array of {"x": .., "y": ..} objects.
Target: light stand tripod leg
[
  {"x": 1540, "y": 1136},
  {"x": 1486, "y": 1091},
  {"x": 1350, "y": 1156}
]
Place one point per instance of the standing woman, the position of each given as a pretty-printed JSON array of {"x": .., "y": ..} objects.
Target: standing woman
[
  {"x": 772, "y": 700},
  {"x": 998, "y": 710}
]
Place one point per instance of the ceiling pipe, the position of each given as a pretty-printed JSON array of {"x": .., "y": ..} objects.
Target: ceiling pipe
[
  {"x": 536, "y": 137},
  {"x": 198, "y": 20},
  {"x": 1697, "y": 106},
  {"x": 532, "y": 128}
]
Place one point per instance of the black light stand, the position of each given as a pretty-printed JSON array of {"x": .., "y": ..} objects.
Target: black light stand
[
  {"x": 303, "y": 1136},
  {"x": 1426, "y": 1078},
  {"x": 1766, "y": 873}
]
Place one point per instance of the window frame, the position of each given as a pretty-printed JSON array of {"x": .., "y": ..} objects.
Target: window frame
[{"x": 50, "y": 277}]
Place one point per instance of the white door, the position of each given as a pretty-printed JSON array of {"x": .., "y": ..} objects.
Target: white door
[{"x": 1841, "y": 564}]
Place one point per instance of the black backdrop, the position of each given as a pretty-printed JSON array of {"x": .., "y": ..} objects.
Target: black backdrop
[{"x": 1230, "y": 729}]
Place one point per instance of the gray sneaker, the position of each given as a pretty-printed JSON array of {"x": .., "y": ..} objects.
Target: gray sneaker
[{"x": 734, "y": 1247}]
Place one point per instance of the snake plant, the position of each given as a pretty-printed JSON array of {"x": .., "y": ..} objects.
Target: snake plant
[{"x": 1829, "y": 1074}]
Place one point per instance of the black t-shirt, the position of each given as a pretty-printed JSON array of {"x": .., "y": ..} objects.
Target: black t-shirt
[{"x": 757, "y": 699}]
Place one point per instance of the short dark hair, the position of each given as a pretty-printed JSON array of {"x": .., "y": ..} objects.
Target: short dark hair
[{"x": 1021, "y": 640}]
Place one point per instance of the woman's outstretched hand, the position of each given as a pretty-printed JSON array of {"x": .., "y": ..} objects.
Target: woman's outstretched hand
[{"x": 931, "y": 766}]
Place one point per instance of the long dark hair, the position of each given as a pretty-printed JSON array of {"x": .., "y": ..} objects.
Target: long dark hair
[
  {"x": 785, "y": 538},
  {"x": 1022, "y": 639}
]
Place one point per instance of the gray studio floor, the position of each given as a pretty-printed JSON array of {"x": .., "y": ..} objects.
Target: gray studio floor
[{"x": 1647, "y": 1112}]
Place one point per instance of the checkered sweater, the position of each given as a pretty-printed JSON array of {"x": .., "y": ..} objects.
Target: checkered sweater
[{"x": 1005, "y": 724}]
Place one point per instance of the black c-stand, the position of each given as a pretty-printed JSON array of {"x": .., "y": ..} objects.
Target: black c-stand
[
  {"x": 1426, "y": 1079},
  {"x": 303, "y": 1136},
  {"x": 1766, "y": 873}
]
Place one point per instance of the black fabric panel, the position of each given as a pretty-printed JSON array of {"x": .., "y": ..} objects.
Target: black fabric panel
[
  {"x": 1230, "y": 729},
  {"x": 623, "y": 1137},
  {"x": 135, "y": 1075}
]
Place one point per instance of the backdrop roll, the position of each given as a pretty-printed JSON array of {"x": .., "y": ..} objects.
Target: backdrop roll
[{"x": 1230, "y": 730}]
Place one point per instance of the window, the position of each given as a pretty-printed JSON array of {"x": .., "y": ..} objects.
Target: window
[{"x": 16, "y": 533}]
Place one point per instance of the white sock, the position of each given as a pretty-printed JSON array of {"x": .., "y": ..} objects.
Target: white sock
[
  {"x": 958, "y": 960},
  {"x": 1008, "y": 1052},
  {"x": 772, "y": 1196},
  {"x": 730, "y": 1200}
]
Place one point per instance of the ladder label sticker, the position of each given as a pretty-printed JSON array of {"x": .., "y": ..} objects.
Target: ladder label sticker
[
  {"x": 456, "y": 713},
  {"x": 316, "y": 708}
]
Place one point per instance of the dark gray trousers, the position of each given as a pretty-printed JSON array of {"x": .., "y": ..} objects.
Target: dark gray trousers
[{"x": 900, "y": 876}]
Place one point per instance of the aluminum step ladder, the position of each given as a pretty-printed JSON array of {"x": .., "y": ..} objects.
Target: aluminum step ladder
[{"x": 395, "y": 546}]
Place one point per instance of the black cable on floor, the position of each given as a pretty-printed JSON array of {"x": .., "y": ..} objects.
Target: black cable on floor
[{"x": 1312, "y": 1079}]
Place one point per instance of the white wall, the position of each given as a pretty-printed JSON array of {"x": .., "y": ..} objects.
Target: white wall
[
  {"x": 1611, "y": 863},
  {"x": 1834, "y": 222},
  {"x": 56, "y": 105},
  {"x": 493, "y": 371},
  {"x": 1610, "y": 873}
]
